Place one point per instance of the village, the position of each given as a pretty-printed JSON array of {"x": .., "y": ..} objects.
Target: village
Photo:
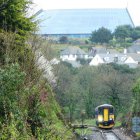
[{"x": 100, "y": 55}]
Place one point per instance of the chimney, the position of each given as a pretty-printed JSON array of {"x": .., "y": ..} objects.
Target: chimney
[
  {"x": 125, "y": 51},
  {"x": 116, "y": 58}
]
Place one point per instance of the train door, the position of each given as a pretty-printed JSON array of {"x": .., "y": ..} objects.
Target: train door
[{"x": 106, "y": 114}]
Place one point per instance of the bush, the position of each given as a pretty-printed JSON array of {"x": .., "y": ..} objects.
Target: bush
[{"x": 63, "y": 39}]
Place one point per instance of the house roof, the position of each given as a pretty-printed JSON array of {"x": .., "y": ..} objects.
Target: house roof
[
  {"x": 81, "y": 21},
  {"x": 73, "y": 51},
  {"x": 121, "y": 59},
  {"x": 135, "y": 56},
  {"x": 112, "y": 51},
  {"x": 109, "y": 58},
  {"x": 134, "y": 48},
  {"x": 97, "y": 50},
  {"x": 137, "y": 41}
]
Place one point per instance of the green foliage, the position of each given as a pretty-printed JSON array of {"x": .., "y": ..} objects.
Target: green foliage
[
  {"x": 28, "y": 109},
  {"x": 86, "y": 42},
  {"x": 28, "y": 112},
  {"x": 136, "y": 33},
  {"x": 15, "y": 28},
  {"x": 11, "y": 78},
  {"x": 89, "y": 87},
  {"x": 83, "y": 61},
  {"x": 102, "y": 35},
  {"x": 136, "y": 98},
  {"x": 11, "y": 117},
  {"x": 122, "y": 68},
  {"x": 63, "y": 39},
  {"x": 14, "y": 18},
  {"x": 122, "y": 32}
]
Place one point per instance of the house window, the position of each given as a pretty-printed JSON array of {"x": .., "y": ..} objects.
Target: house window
[
  {"x": 106, "y": 58},
  {"x": 123, "y": 58},
  {"x": 116, "y": 59}
]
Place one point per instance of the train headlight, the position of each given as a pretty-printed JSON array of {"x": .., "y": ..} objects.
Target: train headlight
[{"x": 100, "y": 118}]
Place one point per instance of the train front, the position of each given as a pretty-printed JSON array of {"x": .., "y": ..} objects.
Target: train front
[{"x": 104, "y": 115}]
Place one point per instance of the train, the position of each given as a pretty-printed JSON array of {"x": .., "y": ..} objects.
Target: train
[{"x": 104, "y": 116}]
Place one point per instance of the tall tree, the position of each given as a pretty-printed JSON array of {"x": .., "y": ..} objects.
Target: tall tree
[
  {"x": 14, "y": 20},
  {"x": 118, "y": 87},
  {"x": 123, "y": 31},
  {"x": 102, "y": 35},
  {"x": 13, "y": 17},
  {"x": 136, "y": 98},
  {"x": 135, "y": 33}
]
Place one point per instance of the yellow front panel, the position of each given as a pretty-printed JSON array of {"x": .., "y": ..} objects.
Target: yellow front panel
[
  {"x": 102, "y": 126},
  {"x": 106, "y": 114}
]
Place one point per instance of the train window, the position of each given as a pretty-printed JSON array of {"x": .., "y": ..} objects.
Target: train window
[
  {"x": 111, "y": 110},
  {"x": 100, "y": 111}
]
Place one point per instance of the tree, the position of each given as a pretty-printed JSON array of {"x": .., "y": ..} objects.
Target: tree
[
  {"x": 136, "y": 98},
  {"x": 67, "y": 90},
  {"x": 63, "y": 39},
  {"x": 89, "y": 84},
  {"x": 136, "y": 33},
  {"x": 122, "y": 32},
  {"x": 102, "y": 35},
  {"x": 118, "y": 87},
  {"x": 3, "y": 4},
  {"x": 14, "y": 18}
]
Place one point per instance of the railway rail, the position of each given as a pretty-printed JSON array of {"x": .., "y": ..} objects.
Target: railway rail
[
  {"x": 96, "y": 133},
  {"x": 109, "y": 135}
]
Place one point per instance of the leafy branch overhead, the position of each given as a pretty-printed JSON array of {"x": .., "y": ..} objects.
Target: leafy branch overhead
[{"x": 13, "y": 15}]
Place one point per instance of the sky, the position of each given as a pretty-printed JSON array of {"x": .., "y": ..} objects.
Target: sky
[{"x": 132, "y": 5}]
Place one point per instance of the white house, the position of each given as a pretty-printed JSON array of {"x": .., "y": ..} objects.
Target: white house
[
  {"x": 72, "y": 54},
  {"x": 96, "y": 60},
  {"x": 113, "y": 58},
  {"x": 130, "y": 60}
]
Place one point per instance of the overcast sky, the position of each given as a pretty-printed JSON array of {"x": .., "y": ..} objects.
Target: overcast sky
[{"x": 132, "y": 5}]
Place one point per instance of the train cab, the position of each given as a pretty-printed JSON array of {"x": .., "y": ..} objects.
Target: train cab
[{"x": 104, "y": 115}]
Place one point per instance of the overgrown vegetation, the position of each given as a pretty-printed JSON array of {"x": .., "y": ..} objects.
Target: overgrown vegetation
[
  {"x": 85, "y": 88},
  {"x": 28, "y": 109}
]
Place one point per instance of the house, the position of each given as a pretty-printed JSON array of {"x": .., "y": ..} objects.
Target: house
[
  {"x": 135, "y": 56},
  {"x": 137, "y": 42},
  {"x": 72, "y": 54},
  {"x": 113, "y": 58},
  {"x": 96, "y": 50},
  {"x": 135, "y": 48},
  {"x": 98, "y": 59}
]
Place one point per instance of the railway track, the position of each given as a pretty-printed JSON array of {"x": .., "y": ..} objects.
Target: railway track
[
  {"x": 109, "y": 135},
  {"x": 99, "y": 134}
]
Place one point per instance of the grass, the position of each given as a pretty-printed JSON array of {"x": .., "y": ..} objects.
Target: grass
[
  {"x": 138, "y": 134},
  {"x": 90, "y": 122},
  {"x": 117, "y": 123}
]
